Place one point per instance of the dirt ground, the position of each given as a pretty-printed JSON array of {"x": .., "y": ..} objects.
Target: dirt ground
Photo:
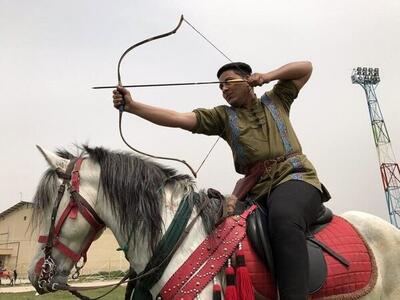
[{"x": 23, "y": 285}]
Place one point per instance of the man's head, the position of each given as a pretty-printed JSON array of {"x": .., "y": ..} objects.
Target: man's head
[{"x": 235, "y": 91}]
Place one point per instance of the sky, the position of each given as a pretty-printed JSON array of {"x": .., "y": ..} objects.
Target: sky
[{"x": 53, "y": 52}]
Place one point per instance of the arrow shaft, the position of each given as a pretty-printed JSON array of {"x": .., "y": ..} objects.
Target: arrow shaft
[{"x": 162, "y": 84}]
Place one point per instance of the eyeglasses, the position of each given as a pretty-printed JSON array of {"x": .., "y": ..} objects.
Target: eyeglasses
[{"x": 230, "y": 82}]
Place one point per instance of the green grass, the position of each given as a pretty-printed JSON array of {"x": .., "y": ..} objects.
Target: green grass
[{"x": 118, "y": 293}]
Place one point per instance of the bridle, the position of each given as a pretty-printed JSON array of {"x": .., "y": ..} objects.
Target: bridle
[{"x": 46, "y": 266}]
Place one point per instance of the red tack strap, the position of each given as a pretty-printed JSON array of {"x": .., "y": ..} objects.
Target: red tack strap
[
  {"x": 248, "y": 211},
  {"x": 63, "y": 217},
  {"x": 214, "y": 246},
  {"x": 213, "y": 265},
  {"x": 88, "y": 243},
  {"x": 75, "y": 179},
  {"x": 90, "y": 218},
  {"x": 43, "y": 239},
  {"x": 196, "y": 259},
  {"x": 67, "y": 251},
  {"x": 38, "y": 266},
  {"x": 61, "y": 247}
]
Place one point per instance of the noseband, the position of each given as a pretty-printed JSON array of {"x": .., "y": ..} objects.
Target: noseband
[{"x": 46, "y": 266}]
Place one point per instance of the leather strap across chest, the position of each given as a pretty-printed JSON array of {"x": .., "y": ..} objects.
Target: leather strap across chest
[{"x": 207, "y": 260}]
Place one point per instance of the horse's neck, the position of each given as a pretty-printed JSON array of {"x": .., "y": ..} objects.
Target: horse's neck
[
  {"x": 139, "y": 253},
  {"x": 196, "y": 235}
]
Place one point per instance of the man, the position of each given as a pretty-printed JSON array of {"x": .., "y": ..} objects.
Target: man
[
  {"x": 15, "y": 277},
  {"x": 266, "y": 150}
]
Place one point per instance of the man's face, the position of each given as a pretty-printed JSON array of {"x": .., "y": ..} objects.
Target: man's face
[{"x": 235, "y": 93}]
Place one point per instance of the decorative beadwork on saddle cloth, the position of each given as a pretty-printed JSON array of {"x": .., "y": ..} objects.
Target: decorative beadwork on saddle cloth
[
  {"x": 341, "y": 283},
  {"x": 207, "y": 260}
]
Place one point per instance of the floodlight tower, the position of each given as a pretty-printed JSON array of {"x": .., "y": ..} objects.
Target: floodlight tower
[{"x": 368, "y": 79}]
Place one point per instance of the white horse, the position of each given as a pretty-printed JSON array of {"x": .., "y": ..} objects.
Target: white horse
[{"x": 137, "y": 199}]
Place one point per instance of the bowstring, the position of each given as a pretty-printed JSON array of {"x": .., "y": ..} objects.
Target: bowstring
[
  {"x": 208, "y": 41},
  {"x": 220, "y": 51}
]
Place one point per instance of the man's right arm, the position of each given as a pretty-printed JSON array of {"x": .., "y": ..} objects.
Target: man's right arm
[{"x": 156, "y": 115}]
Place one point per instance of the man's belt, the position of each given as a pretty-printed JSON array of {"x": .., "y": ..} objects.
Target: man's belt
[{"x": 254, "y": 173}]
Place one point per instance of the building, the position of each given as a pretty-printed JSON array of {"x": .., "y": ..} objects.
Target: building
[{"x": 18, "y": 243}]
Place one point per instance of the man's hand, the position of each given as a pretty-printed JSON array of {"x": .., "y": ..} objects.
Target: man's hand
[
  {"x": 257, "y": 79},
  {"x": 121, "y": 96},
  {"x": 230, "y": 202}
]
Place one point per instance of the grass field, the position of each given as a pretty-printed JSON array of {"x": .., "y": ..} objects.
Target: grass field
[{"x": 119, "y": 293}]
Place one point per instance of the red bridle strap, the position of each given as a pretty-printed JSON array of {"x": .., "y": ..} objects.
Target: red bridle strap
[
  {"x": 76, "y": 203},
  {"x": 62, "y": 248},
  {"x": 207, "y": 260}
]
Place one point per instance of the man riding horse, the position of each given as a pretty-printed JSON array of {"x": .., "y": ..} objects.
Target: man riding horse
[{"x": 266, "y": 150}]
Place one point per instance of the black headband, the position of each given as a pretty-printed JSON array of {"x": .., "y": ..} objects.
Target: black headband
[{"x": 239, "y": 66}]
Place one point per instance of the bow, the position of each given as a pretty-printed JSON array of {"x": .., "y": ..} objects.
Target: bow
[{"x": 121, "y": 108}]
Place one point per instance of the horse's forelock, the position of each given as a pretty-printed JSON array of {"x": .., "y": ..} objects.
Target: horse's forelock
[
  {"x": 61, "y": 152},
  {"x": 46, "y": 191},
  {"x": 44, "y": 196}
]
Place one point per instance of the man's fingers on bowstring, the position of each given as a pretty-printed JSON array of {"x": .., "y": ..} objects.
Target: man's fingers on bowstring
[{"x": 255, "y": 79}]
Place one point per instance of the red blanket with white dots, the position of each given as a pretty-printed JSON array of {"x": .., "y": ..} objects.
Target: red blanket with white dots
[{"x": 342, "y": 282}]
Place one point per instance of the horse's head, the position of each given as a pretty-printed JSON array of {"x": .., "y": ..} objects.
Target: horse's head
[
  {"x": 64, "y": 207},
  {"x": 136, "y": 198}
]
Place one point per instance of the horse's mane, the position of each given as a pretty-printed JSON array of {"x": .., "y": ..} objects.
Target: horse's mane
[{"x": 133, "y": 187}]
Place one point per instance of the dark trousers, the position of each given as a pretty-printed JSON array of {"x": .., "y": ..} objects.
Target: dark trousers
[{"x": 292, "y": 206}]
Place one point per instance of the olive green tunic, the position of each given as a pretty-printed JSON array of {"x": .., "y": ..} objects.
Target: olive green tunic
[{"x": 261, "y": 132}]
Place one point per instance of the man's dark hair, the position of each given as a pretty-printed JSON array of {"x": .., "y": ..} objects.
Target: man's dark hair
[{"x": 239, "y": 68}]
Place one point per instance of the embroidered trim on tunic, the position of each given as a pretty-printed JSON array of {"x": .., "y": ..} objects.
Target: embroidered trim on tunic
[
  {"x": 235, "y": 133},
  {"x": 279, "y": 122},
  {"x": 295, "y": 162},
  {"x": 296, "y": 176}
]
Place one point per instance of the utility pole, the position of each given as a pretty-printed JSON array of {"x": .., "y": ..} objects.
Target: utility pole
[{"x": 368, "y": 79}]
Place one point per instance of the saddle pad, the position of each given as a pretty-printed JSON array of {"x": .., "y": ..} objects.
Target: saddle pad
[
  {"x": 341, "y": 282},
  {"x": 360, "y": 277}
]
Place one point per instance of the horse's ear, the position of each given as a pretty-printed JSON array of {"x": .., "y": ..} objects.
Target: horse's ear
[{"x": 54, "y": 160}]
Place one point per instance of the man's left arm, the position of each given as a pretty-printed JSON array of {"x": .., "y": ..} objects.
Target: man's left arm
[{"x": 298, "y": 72}]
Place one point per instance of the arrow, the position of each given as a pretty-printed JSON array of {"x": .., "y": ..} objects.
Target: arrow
[{"x": 168, "y": 84}]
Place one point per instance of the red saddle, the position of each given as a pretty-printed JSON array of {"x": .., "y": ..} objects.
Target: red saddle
[{"x": 343, "y": 282}]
